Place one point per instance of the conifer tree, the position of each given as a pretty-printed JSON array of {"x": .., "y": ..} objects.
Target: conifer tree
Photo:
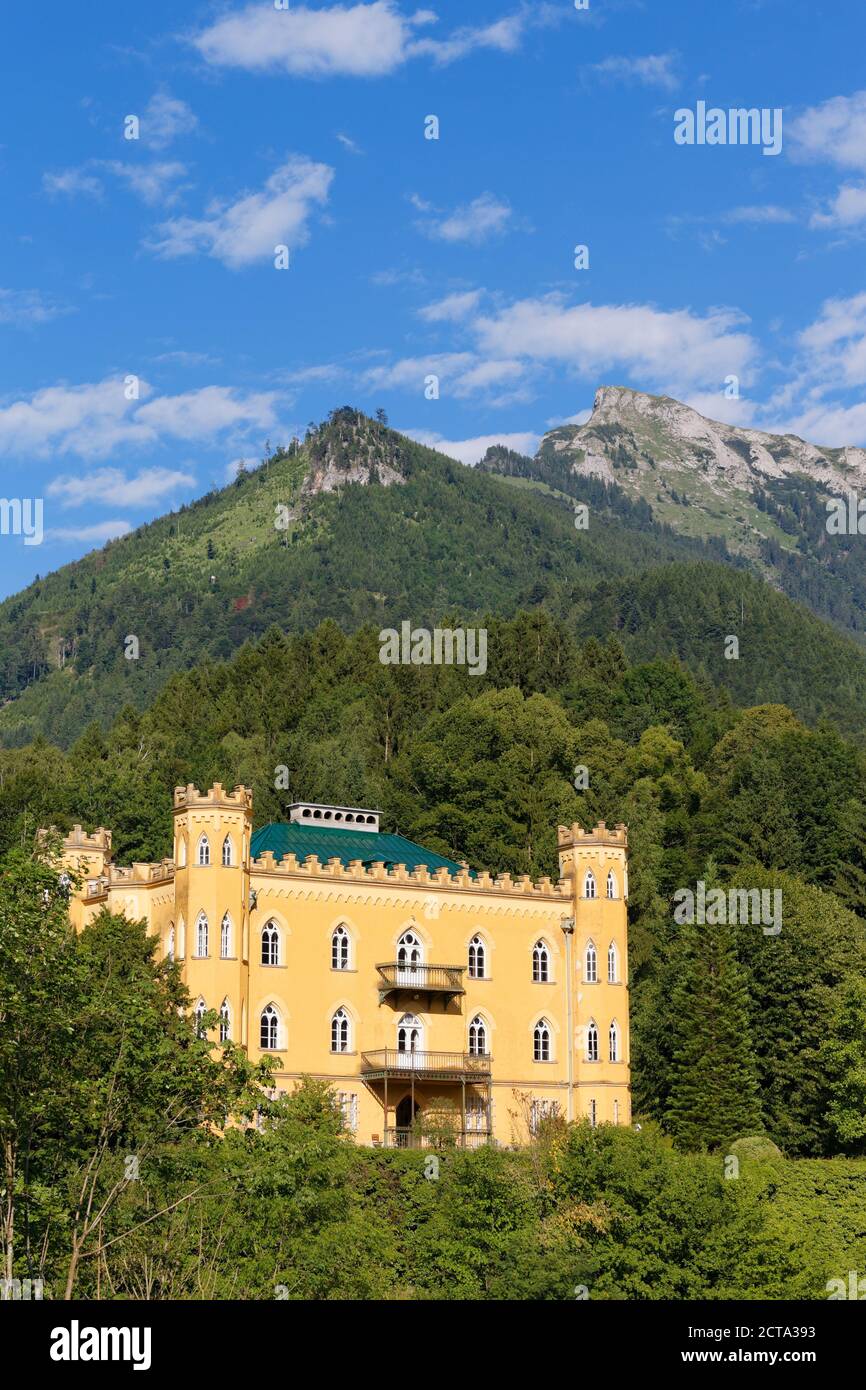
[{"x": 714, "y": 1090}]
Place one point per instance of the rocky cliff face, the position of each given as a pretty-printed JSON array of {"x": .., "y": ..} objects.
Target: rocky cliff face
[{"x": 681, "y": 462}]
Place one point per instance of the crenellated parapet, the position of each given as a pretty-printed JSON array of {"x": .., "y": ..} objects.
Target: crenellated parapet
[
  {"x": 420, "y": 876},
  {"x": 189, "y": 798},
  {"x": 575, "y": 835},
  {"x": 97, "y": 843}
]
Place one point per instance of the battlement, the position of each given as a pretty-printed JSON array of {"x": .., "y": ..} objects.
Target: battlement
[
  {"x": 575, "y": 834},
  {"x": 97, "y": 843},
  {"x": 189, "y": 797},
  {"x": 141, "y": 873},
  {"x": 421, "y": 875}
]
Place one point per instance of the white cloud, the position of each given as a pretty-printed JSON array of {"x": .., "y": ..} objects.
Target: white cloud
[
  {"x": 347, "y": 40},
  {"x": 715, "y": 405},
  {"x": 452, "y": 308},
  {"x": 504, "y": 35},
  {"x": 470, "y": 451},
  {"x": 349, "y": 143},
  {"x": 361, "y": 40},
  {"x": 103, "y": 484},
  {"x": 71, "y": 182},
  {"x": 245, "y": 231},
  {"x": 675, "y": 348},
  {"x": 101, "y": 532},
  {"x": 165, "y": 118},
  {"x": 23, "y": 308},
  {"x": 95, "y": 418},
  {"x": 153, "y": 183},
  {"x": 835, "y": 343},
  {"x": 208, "y": 411},
  {"x": 848, "y": 208},
  {"x": 830, "y": 424},
  {"x": 652, "y": 70},
  {"x": 833, "y": 132},
  {"x": 460, "y": 373},
  {"x": 484, "y": 217}
]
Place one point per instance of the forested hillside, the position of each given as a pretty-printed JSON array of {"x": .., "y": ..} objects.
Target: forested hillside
[{"x": 483, "y": 769}]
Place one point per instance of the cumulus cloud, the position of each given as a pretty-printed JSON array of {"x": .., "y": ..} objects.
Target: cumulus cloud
[
  {"x": 102, "y": 484},
  {"x": 847, "y": 209},
  {"x": 486, "y": 216},
  {"x": 245, "y": 231},
  {"x": 165, "y": 118},
  {"x": 340, "y": 40},
  {"x": 675, "y": 348},
  {"x": 361, "y": 40},
  {"x": 834, "y": 132},
  {"x": 471, "y": 451},
  {"x": 835, "y": 343},
  {"x": 96, "y": 417}
]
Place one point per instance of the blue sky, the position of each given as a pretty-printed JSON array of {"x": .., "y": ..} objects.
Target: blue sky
[{"x": 153, "y": 258}]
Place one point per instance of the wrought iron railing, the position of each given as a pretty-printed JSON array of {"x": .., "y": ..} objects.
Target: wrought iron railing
[
  {"x": 391, "y": 1062},
  {"x": 444, "y": 979}
]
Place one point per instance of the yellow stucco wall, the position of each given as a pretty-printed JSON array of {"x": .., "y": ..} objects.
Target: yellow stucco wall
[{"x": 308, "y": 901}]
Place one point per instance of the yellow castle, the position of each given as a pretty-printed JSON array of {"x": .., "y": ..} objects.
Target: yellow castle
[{"x": 428, "y": 995}]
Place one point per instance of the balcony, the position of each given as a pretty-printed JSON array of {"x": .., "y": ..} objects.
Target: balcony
[
  {"x": 462, "y": 1138},
  {"x": 425, "y": 1066},
  {"x": 443, "y": 980}
]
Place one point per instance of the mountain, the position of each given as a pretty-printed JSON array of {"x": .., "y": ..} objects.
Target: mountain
[
  {"x": 764, "y": 495},
  {"x": 362, "y": 525}
]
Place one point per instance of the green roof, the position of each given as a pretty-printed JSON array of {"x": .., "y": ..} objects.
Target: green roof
[{"x": 327, "y": 843}]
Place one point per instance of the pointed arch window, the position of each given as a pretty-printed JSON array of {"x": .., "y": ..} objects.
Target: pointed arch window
[
  {"x": 227, "y": 852},
  {"x": 270, "y": 944},
  {"x": 590, "y": 971},
  {"x": 201, "y": 935},
  {"x": 540, "y": 963},
  {"x": 478, "y": 1037},
  {"x": 589, "y": 884},
  {"x": 269, "y": 1029},
  {"x": 612, "y": 964},
  {"x": 225, "y": 1021},
  {"x": 181, "y": 853},
  {"x": 410, "y": 956},
  {"x": 203, "y": 853},
  {"x": 340, "y": 1031},
  {"x": 340, "y": 948},
  {"x": 541, "y": 1041},
  {"x": 611, "y": 884},
  {"x": 226, "y": 937},
  {"x": 592, "y": 1043},
  {"x": 613, "y": 1042},
  {"x": 200, "y": 1011},
  {"x": 477, "y": 959},
  {"x": 410, "y": 1039}
]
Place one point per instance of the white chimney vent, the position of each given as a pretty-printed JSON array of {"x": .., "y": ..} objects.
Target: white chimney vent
[{"x": 333, "y": 817}]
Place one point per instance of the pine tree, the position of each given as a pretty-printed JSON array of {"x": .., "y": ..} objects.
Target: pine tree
[{"x": 714, "y": 1090}]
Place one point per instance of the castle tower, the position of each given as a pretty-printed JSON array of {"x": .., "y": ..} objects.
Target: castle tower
[
  {"x": 212, "y": 833},
  {"x": 595, "y": 865}
]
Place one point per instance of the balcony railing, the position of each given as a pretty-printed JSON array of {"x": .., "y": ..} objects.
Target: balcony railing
[
  {"x": 438, "y": 1066},
  {"x": 464, "y": 1139},
  {"x": 425, "y": 979}
]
